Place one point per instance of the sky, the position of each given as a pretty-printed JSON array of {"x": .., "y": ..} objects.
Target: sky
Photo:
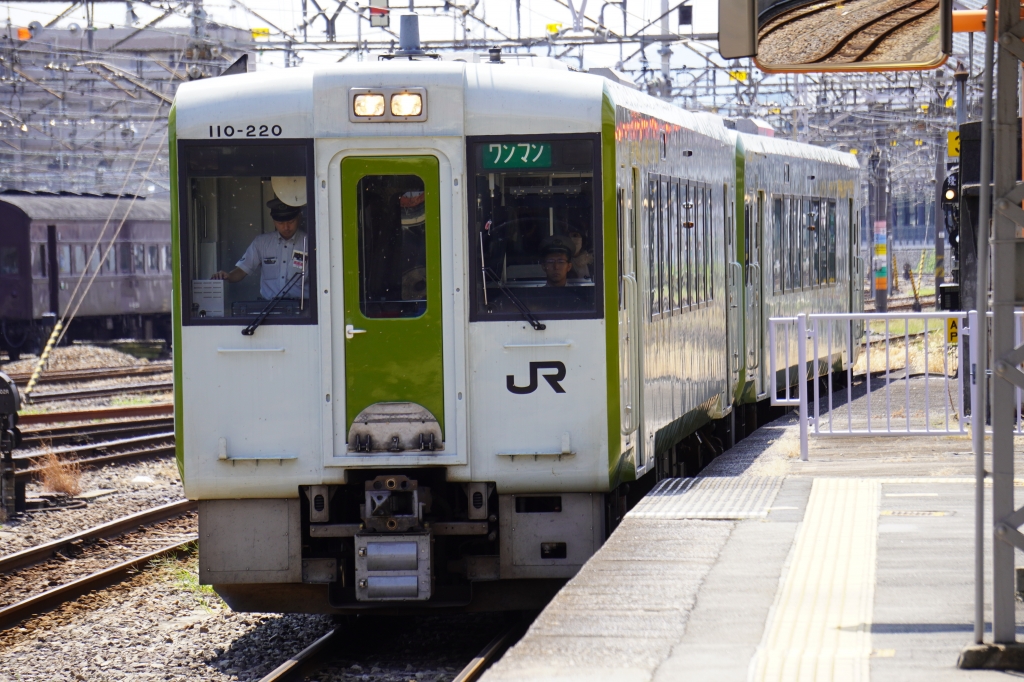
[{"x": 435, "y": 23}]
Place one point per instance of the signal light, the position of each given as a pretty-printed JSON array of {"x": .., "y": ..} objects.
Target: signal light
[{"x": 951, "y": 189}]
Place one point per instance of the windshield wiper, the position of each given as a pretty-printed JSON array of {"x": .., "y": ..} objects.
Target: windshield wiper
[
  {"x": 251, "y": 329},
  {"x": 534, "y": 322}
]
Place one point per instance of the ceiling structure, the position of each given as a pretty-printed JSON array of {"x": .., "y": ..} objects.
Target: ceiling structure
[{"x": 83, "y": 107}]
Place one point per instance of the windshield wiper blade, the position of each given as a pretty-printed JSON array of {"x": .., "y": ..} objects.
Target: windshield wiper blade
[
  {"x": 534, "y": 322},
  {"x": 251, "y": 329}
]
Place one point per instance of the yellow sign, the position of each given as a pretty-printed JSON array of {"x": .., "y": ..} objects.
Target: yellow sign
[
  {"x": 740, "y": 76},
  {"x": 918, "y": 143},
  {"x": 949, "y": 103},
  {"x": 953, "y": 143},
  {"x": 261, "y": 34},
  {"x": 553, "y": 28},
  {"x": 952, "y": 330}
]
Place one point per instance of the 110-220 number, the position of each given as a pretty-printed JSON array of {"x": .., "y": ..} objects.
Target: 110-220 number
[{"x": 246, "y": 131}]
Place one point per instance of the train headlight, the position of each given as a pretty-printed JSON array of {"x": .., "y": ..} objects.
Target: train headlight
[
  {"x": 950, "y": 194},
  {"x": 407, "y": 104},
  {"x": 369, "y": 105}
]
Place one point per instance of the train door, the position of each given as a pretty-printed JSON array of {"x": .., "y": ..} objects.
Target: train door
[
  {"x": 629, "y": 327},
  {"x": 754, "y": 220},
  {"x": 734, "y": 277},
  {"x": 392, "y": 318}
]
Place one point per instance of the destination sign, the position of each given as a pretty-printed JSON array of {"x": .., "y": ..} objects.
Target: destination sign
[{"x": 511, "y": 155}]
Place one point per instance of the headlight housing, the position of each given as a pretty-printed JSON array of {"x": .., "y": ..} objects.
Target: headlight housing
[{"x": 406, "y": 104}]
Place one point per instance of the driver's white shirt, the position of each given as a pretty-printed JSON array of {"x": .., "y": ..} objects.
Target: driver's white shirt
[{"x": 272, "y": 255}]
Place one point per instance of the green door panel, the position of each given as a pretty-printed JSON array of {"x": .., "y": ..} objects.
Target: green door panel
[{"x": 398, "y": 356}]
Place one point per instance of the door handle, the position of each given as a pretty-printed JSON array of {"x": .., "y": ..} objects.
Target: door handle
[{"x": 351, "y": 331}]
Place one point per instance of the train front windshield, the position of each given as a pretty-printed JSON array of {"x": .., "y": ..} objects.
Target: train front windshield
[{"x": 535, "y": 239}]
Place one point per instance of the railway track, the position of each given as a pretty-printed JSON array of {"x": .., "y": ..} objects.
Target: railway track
[
  {"x": 86, "y": 434},
  {"x": 135, "y": 448},
  {"x": 93, "y": 373},
  {"x": 863, "y": 40},
  {"x": 41, "y": 578},
  {"x": 79, "y": 394},
  {"x": 67, "y": 416},
  {"x": 310, "y": 660},
  {"x": 856, "y": 43}
]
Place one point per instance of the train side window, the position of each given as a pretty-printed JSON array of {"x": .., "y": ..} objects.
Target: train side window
[
  {"x": 78, "y": 258},
  {"x": 95, "y": 256},
  {"x": 64, "y": 259},
  {"x": 666, "y": 261},
  {"x": 709, "y": 248},
  {"x": 620, "y": 228},
  {"x": 795, "y": 240},
  {"x": 124, "y": 258},
  {"x": 248, "y": 237},
  {"x": 686, "y": 245},
  {"x": 777, "y": 249},
  {"x": 652, "y": 255},
  {"x": 9, "y": 260},
  {"x": 109, "y": 263},
  {"x": 41, "y": 262},
  {"x": 153, "y": 258},
  {"x": 830, "y": 231},
  {"x": 700, "y": 264},
  {"x": 165, "y": 257},
  {"x": 139, "y": 258},
  {"x": 814, "y": 240}
]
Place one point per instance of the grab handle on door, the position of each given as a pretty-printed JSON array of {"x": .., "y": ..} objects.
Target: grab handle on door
[{"x": 351, "y": 331}]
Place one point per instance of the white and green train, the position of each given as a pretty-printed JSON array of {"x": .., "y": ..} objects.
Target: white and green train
[{"x": 438, "y": 323}]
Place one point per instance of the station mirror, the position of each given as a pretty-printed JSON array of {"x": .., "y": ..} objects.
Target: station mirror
[{"x": 836, "y": 35}]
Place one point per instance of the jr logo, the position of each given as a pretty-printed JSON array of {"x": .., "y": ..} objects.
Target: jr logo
[{"x": 535, "y": 367}]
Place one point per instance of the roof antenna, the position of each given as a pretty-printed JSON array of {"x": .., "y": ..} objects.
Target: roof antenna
[
  {"x": 495, "y": 53},
  {"x": 409, "y": 35}
]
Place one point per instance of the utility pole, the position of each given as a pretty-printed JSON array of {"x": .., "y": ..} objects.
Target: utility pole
[
  {"x": 878, "y": 208},
  {"x": 940, "y": 215}
]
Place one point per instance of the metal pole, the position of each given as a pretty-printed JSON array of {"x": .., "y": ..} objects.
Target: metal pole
[
  {"x": 979, "y": 334},
  {"x": 881, "y": 230},
  {"x": 1003, "y": 255},
  {"x": 801, "y": 361}
]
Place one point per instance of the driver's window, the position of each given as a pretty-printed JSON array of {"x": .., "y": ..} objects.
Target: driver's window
[
  {"x": 248, "y": 237},
  {"x": 534, "y": 233}
]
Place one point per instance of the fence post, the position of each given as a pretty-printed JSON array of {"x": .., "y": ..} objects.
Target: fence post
[{"x": 801, "y": 359}]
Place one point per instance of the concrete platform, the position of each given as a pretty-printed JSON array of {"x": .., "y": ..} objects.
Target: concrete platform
[{"x": 856, "y": 565}]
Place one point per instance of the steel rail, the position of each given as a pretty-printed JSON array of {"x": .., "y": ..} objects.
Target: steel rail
[
  {"x": 50, "y": 599},
  {"x": 93, "y": 373},
  {"x": 297, "y": 665},
  {"x": 82, "y": 434},
  {"x": 104, "y": 459},
  {"x": 97, "y": 413},
  {"x": 853, "y": 50},
  {"x": 93, "y": 447},
  {"x": 40, "y": 553},
  {"x": 492, "y": 652},
  {"x": 152, "y": 387}
]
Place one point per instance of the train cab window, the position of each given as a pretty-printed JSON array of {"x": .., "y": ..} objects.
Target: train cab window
[
  {"x": 535, "y": 225},
  {"x": 247, "y": 232},
  {"x": 9, "y": 260}
]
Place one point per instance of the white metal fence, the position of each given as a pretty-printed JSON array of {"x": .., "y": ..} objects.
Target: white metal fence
[{"x": 910, "y": 364}]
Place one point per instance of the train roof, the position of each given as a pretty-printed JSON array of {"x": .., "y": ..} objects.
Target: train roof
[
  {"x": 463, "y": 99},
  {"x": 781, "y": 147},
  {"x": 84, "y": 207}
]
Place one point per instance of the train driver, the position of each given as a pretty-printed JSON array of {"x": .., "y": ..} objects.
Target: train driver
[
  {"x": 277, "y": 255},
  {"x": 556, "y": 254}
]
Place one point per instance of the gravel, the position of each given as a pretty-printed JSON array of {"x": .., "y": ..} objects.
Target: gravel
[
  {"x": 161, "y": 625},
  {"x": 138, "y": 486},
  {"x": 76, "y": 357}
]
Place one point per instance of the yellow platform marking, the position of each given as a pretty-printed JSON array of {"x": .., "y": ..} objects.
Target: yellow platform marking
[{"x": 820, "y": 625}]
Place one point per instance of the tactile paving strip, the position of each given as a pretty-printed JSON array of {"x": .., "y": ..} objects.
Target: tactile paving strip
[{"x": 713, "y": 497}]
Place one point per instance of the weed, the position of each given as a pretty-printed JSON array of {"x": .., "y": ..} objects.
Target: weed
[
  {"x": 185, "y": 575},
  {"x": 59, "y": 475}
]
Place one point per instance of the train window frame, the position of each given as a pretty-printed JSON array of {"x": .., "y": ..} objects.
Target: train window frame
[
  {"x": 654, "y": 300},
  {"x": 777, "y": 272},
  {"x": 599, "y": 224},
  {"x": 184, "y": 259}
]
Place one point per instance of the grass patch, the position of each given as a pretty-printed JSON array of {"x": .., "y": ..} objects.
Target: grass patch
[
  {"x": 130, "y": 400},
  {"x": 184, "y": 573},
  {"x": 59, "y": 475},
  {"x": 899, "y": 327}
]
